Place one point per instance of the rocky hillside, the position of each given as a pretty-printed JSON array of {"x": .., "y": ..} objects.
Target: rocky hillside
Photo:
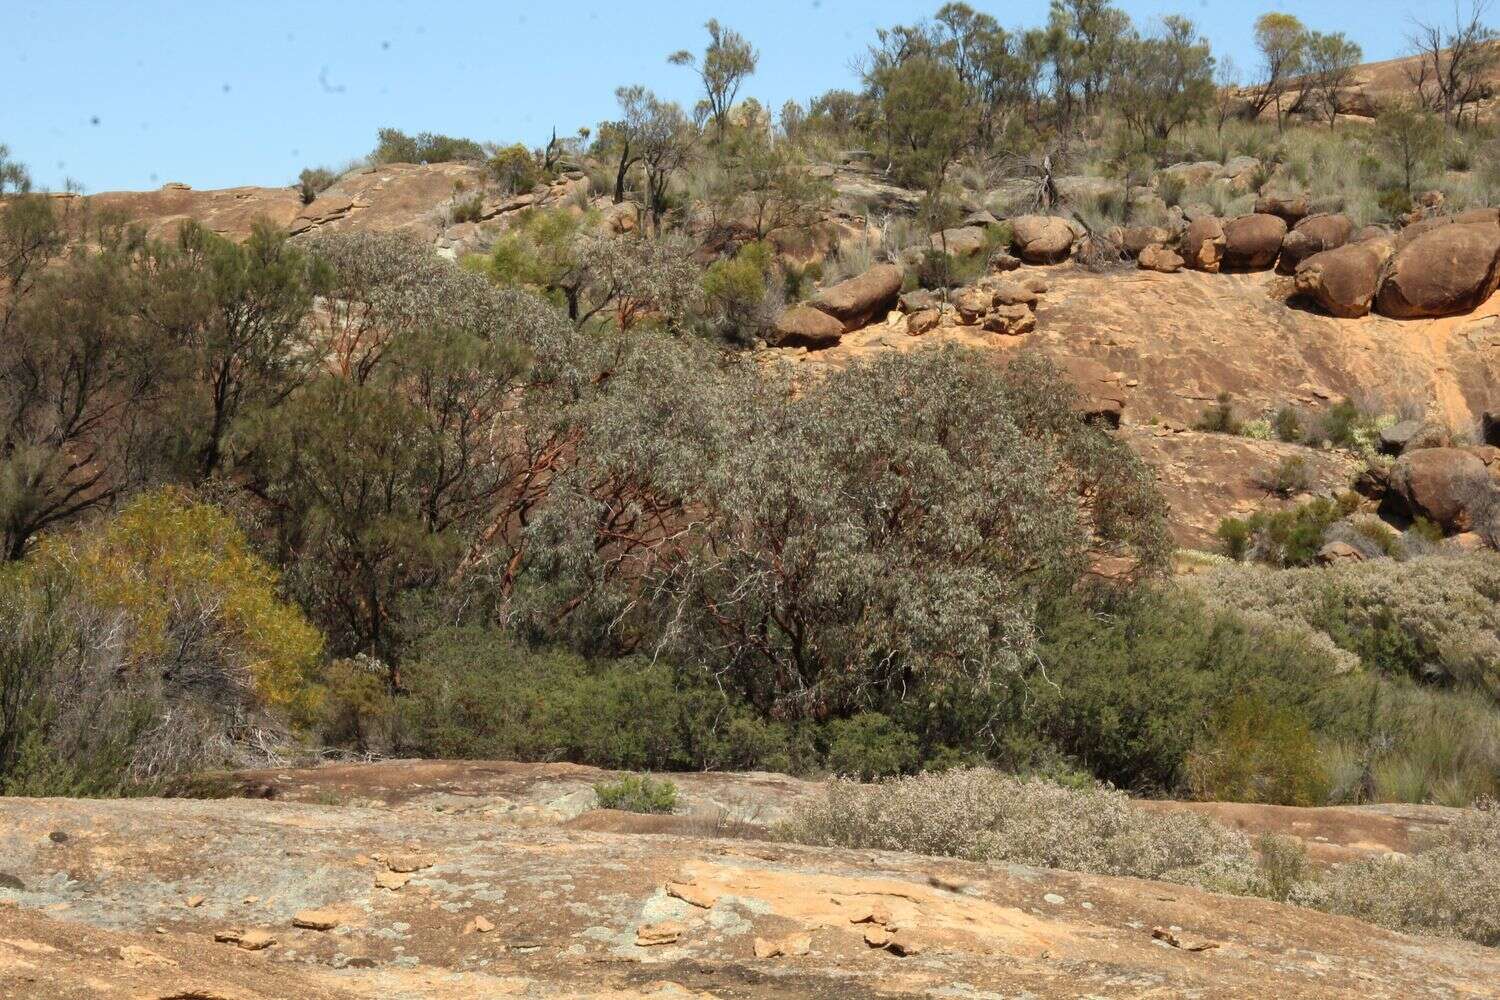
[
  {"x": 439, "y": 880},
  {"x": 1285, "y": 307}
]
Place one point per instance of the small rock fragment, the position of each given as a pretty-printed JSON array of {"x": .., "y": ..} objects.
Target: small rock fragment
[
  {"x": 651, "y": 935},
  {"x": 403, "y": 864},
  {"x": 904, "y": 945},
  {"x": 316, "y": 920},
  {"x": 478, "y": 925},
  {"x": 256, "y": 940},
  {"x": 1178, "y": 940},
  {"x": 692, "y": 893},
  {"x": 391, "y": 880},
  {"x": 193, "y": 902},
  {"x": 1053, "y": 899},
  {"x": 136, "y": 957},
  {"x": 877, "y": 936},
  {"x": 791, "y": 946}
]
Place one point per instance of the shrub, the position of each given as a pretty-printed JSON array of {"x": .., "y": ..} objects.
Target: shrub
[
  {"x": 735, "y": 293},
  {"x": 984, "y": 815},
  {"x": 149, "y": 646},
  {"x": 1429, "y": 619},
  {"x": 1127, "y": 681},
  {"x": 890, "y": 527},
  {"x": 313, "y": 181},
  {"x": 1291, "y": 476},
  {"x": 1285, "y": 537},
  {"x": 1447, "y": 888},
  {"x": 515, "y": 168},
  {"x": 638, "y": 794},
  {"x": 474, "y": 693},
  {"x": 1257, "y": 752},
  {"x": 868, "y": 746},
  {"x": 1287, "y": 424},
  {"x": 1220, "y": 418},
  {"x": 470, "y": 209},
  {"x": 1283, "y": 865},
  {"x": 394, "y": 146}
]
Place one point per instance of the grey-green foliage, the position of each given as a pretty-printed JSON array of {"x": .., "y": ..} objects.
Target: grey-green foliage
[{"x": 890, "y": 528}]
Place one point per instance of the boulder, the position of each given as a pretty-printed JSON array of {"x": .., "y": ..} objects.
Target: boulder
[
  {"x": 1159, "y": 258},
  {"x": 1313, "y": 234},
  {"x": 1203, "y": 245},
  {"x": 1443, "y": 272},
  {"x": 980, "y": 217},
  {"x": 1438, "y": 484},
  {"x": 1042, "y": 239},
  {"x": 1000, "y": 262},
  {"x": 1367, "y": 233},
  {"x": 1339, "y": 553},
  {"x": 1191, "y": 174},
  {"x": 918, "y": 299},
  {"x": 862, "y": 299},
  {"x": 973, "y": 303},
  {"x": 1133, "y": 239},
  {"x": 1411, "y": 435},
  {"x": 1008, "y": 292},
  {"x": 803, "y": 326},
  {"x": 923, "y": 321},
  {"x": 1291, "y": 209},
  {"x": 1253, "y": 242},
  {"x": 962, "y": 242},
  {"x": 1344, "y": 280},
  {"x": 1012, "y": 320}
]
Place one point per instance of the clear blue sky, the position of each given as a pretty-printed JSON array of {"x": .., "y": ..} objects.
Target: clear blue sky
[{"x": 130, "y": 95}]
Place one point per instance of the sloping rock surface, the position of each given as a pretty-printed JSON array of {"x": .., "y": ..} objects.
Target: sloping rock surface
[{"x": 125, "y": 899}]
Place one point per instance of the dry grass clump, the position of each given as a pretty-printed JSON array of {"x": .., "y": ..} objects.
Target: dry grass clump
[
  {"x": 980, "y": 814},
  {"x": 1447, "y": 889}
]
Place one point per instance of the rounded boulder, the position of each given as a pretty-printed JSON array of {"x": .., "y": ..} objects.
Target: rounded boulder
[
  {"x": 1446, "y": 271},
  {"x": 1344, "y": 280},
  {"x": 1253, "y": 242},
  {"x": 1439, "y": 484},
  {"x": 1042, "y": 239},
  {"x": 862, "y": 299},
  {"x": 1313, "y": 234}
]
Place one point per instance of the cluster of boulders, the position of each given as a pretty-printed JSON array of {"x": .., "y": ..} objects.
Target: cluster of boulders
[
  {"x": 849, "y": 305},
  {"x": 1443, "y": 265},
  {"x": 998, "y": 302}
]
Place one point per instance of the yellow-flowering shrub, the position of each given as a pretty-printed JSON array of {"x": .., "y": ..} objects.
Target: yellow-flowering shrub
[{"x": 195, "y": 603}]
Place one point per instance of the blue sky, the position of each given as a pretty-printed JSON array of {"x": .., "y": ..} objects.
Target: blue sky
[{"x": 130, "y": 95}]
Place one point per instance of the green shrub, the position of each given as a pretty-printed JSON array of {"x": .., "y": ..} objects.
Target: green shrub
[
  {"x": 470, "y": 209},
  {"x": 473, "y": 693},
  {"x": 1257, "y": 752},
  {"x": 313, "y": 181},
  {"x": 869, "y": 746},
  {"x": 735, "y": 289},
  {"x": 1291, "y": 476},
  {"x": 1285, "y": 537},
  {"x": 638, "y": 794},
  {"x": 394, "y": 146},
  {"x": 1283, "y": 865},
  {"x": 1220, "y": 418},
  {"x": 1127, "y": 682},
  {"x": 147, "y": 646},
  {"x": 515, "y": 168},
  {"x": 1287, "y": 424}
]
